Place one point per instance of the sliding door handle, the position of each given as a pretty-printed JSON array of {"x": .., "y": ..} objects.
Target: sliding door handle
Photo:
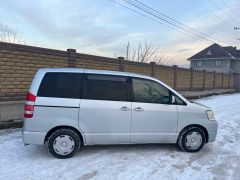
[
  {"x": 124, "y": 108},
  {"x": 138, "y": 109}
]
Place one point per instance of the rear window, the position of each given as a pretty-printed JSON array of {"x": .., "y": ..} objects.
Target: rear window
[
  {"x": 106, "y": 87},
  {"x": 61, "y": 85}
]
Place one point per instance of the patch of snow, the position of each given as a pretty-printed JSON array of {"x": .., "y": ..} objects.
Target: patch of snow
[{"x": 218, "y": 160}]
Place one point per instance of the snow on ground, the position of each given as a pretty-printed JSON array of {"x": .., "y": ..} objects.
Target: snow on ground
[{"x": 218, "y": 160}]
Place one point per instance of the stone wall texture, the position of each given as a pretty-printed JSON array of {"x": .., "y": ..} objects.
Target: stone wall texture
[{"x": 19, "y": 63}]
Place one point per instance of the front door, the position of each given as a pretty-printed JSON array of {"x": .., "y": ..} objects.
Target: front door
[
  {"x": 105, "y": 110},
  {"x": 154, "y": 118}
]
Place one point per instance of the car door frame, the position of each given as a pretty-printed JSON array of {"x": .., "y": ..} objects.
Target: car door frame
[
  {"x": 152, "y": 139},
  {"x": 54, "y": 111},
  {"x": 91, "y": 138}
]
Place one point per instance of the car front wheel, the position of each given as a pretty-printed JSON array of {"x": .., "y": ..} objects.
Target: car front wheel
[{"x": 191, "y": 139}]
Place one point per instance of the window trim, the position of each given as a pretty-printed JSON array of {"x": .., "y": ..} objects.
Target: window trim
[
  {"x": 84, "y": 91},
  {"x": 218, "y": 63},
  {"x": 209, "y": 52},
  {"x": 198, "y": 63}
]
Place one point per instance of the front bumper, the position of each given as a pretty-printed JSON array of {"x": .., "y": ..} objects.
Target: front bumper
[
  {"x": 212, "y": 137},
  {"x": 30, "y": 137},
  {"x": 212, "y": 131}
]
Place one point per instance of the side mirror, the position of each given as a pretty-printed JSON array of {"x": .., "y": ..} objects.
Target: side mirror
[{"x": 173, "y": 99}]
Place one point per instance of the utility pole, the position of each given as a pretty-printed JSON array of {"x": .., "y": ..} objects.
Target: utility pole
[{"x": 236, "y": 28}]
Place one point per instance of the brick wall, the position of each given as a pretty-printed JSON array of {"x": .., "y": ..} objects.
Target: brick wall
[
  {"x": 183, "y": 79},
  {"x": 197, "y": 83},
  {"x": 96, "y": 62},
  {"x": 218, "y": 83},
  {"x": 165, "y": 73},
  {"x": 19, "y": 63},
  {"x": 209, "y": 80}
]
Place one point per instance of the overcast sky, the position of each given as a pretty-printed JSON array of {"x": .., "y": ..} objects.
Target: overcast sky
[{"x": 102, "y": 27}]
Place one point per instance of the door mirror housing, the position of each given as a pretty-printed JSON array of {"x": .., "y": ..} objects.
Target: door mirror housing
[{"x": 173, "y": 99}]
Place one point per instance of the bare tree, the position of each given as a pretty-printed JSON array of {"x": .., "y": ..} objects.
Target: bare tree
[
  {"x": 145, "y": 52},
  {"x": 10, "y": 35},
  {"x": 127, "y": 50},
  {"x": 162, "y": 60}
]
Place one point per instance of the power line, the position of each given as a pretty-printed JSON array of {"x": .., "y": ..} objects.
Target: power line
[
  {"x": 167, "y": 21},
  {"x": 218, "y": 7},
  {"x": 212, "y": 14},
  {"x": 235, "y": 14},
  {"x": 155, "y": 20},
  {"x": 191, "y": 6},
  {"x": 177, "y": 22},
  {"x": 202, "y": 9},
  {"x": 172, "y": 22},
  {"x": 185, "y": 8},
  {"x": 198, "y": 11}
]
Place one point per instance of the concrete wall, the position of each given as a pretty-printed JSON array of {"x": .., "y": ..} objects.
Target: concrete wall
[{"x": 11, "y": 112}]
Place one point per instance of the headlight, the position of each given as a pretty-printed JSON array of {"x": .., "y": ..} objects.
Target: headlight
[{"x": 210, "y": 115}]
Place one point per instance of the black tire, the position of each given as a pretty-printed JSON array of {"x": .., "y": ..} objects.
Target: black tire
[
  {"x": 182, "y": 139},
  {"x": 71, "y": 135}
]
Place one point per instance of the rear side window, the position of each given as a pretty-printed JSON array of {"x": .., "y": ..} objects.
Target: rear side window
[
  {"x": 106, "y": 87},
  {"x": 61, "y": 85}
]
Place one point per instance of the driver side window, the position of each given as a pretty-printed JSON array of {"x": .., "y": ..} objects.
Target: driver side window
[{"x": 148, "y": 91}]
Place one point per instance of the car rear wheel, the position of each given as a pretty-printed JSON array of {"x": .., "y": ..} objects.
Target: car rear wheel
[
  {"x": 191, "y": 139},
  {"x": 64, "y": 143}
]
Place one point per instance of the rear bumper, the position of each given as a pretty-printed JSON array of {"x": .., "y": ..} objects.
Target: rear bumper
[{"x": 30, "y": 137}]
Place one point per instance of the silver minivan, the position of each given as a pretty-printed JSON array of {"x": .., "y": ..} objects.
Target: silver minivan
[{"x": 68, "y": 108}]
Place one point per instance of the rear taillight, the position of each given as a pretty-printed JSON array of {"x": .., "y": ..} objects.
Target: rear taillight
[{"x": 29, "y": 105}]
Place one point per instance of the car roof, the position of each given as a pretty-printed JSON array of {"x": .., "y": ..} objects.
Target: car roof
[{"x": 94, "y": 71}]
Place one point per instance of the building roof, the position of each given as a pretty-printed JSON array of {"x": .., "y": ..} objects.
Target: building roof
[
  {"x": 217, "y": 51},
  {"x": 233, "y": 51}
]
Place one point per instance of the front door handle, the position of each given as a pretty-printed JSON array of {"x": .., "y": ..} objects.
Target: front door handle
[
  {"x": 138, "y": 109},
  {"x": 124, "y": 108}
]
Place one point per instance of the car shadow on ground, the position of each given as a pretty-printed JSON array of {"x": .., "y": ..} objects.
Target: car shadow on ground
[
  {"x": 129, "y": 148},
  {"x": 139, "y": 149},
  {"x": 107, "y": 149}
]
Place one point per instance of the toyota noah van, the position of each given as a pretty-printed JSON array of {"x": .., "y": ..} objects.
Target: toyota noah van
[{"x": 69, "y": 108}]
